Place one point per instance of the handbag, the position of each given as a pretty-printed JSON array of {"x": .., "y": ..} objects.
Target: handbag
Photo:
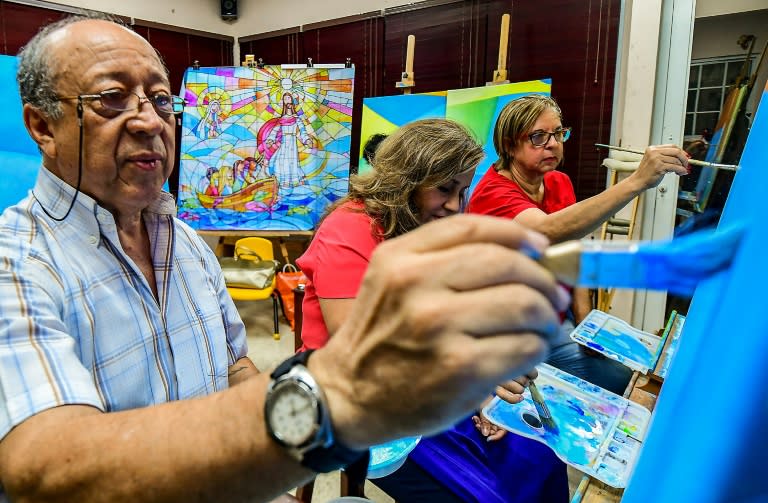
[
  {"x": 287, "y": 280},
  {"x": 247, "y": 269}
]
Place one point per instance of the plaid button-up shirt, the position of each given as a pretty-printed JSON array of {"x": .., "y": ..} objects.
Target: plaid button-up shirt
[{"x": 79, "y": 323}]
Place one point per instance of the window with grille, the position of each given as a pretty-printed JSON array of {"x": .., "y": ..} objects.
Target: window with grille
[{"x": 708, "y": 83}]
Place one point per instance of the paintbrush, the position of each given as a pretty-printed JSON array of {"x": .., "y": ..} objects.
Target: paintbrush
[
  {"x": 541, "y": 407},
  {"x": 695, "y": 162},
  {"x": 676, "y": 265}
]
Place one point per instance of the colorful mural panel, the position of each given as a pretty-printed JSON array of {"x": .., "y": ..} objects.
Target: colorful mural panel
[
  {"x": 263, "y": 148},
  {"x": 477, "y": 108}
]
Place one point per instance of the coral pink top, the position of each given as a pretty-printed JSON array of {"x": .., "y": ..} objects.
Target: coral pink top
[{"x": 334, "y": 264}]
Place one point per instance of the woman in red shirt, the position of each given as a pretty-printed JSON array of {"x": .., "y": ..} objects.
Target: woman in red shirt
[
  {"x": 524, "y": 185},
  {"x": 421, "y": 173}
]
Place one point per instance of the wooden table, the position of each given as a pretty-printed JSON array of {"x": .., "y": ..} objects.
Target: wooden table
[{"x": 281, "y": 238}]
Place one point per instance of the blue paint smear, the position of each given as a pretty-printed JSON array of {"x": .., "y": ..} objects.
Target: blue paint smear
[{"x": 718, "y": 455}]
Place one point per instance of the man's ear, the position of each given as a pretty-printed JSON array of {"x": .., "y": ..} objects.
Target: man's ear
[{"x": 38, "y": 126}]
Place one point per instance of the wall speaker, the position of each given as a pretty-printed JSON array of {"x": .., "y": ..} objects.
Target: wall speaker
[{"x": 228, "y": 9}]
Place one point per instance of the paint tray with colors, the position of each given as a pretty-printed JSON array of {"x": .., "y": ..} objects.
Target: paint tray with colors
[
  {"x": 598, "y": 432},
  {"x": 617, "y": 339}
]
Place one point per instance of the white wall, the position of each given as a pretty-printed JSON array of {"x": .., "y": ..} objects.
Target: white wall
[
  {"x": 716, "y": 36},
  {"x": 706, "y": 8},
  {"x": 203, "y": 15},
  {"x": 254, "y": 16}
]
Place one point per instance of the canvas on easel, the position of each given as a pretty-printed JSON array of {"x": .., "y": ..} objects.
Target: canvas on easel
[
  {"x": 20, "y": 156},
  {"x": 706, "y": 442},
  {"x": 477, "y": 108}
]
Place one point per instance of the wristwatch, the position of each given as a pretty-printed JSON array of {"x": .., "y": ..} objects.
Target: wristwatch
[{"x": 297, "y": 417}]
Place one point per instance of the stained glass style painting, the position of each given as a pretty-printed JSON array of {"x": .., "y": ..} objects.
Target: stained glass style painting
[
  {"x": 477, "y": 108},
  {"x": 263, "y": 148},
  {"x": 597, "y": 432}
]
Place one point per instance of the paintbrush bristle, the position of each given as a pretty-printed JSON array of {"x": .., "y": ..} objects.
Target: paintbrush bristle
[
  {"x": 541, "y": 408},
  {"x": 676, "y": 265},
  {"x": 564, "y": 261}
]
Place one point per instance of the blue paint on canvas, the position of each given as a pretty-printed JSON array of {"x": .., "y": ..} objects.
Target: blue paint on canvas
[
  {"x": 18, "y": 153},
  {"x": 707, "y": 442}
]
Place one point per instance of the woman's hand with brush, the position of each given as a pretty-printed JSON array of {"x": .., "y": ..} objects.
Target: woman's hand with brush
[
  {"x": 657, "y": 161},
  {"x": 509, "y": 391}
]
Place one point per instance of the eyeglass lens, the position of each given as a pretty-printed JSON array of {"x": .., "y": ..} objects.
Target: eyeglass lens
[
  {"x": 123, "y": 101},
  {"x": 541, "y": 138}
]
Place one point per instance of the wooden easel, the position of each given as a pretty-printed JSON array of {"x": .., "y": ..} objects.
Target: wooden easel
[
  {"x": 500, "y": 74},
  {"x": 407, "y": 80}
]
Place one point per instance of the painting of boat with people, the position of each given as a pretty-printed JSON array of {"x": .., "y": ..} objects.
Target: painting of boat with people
[
  {"x": 239, "y": 188},
  {"x": 263, "y": 148}
]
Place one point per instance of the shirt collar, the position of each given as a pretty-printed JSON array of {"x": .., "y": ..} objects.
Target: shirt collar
[{"x": 55, "y": 196}]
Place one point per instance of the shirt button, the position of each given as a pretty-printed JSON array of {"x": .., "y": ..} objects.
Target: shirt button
[{"x": 94, "y": 240}]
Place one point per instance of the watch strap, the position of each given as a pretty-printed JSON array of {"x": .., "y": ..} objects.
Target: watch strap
[
  {"x": 335, "y": 457},
  {"x": 285, "y": 367}
]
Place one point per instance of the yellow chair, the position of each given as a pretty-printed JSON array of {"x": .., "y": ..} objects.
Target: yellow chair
[{"x": 264, "y": 249}]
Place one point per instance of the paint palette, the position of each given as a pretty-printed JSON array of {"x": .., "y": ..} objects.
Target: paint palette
[
  {"x": 618, "y": 340},
  {"x": 598, "y": 432}
]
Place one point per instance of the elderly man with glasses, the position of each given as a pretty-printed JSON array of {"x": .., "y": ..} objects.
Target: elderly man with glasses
[{"x": 123, "y": 364}]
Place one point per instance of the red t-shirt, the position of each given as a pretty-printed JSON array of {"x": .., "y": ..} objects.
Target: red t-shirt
[
  {"x": 499, "y": 196},
  {"x": 334, "y": 264}
]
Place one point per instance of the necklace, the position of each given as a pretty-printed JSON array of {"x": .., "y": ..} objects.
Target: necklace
[{"x": 534, "y": 193}]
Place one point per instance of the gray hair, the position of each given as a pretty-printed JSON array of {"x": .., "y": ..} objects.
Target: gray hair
[
  {"x": 36, "y": 73},
  {"x": 515, "y": 119}
]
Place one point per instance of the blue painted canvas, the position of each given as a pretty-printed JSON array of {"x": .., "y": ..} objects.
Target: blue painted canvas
[
  {"x": 707, "y": 441},
  {"x": 19, "y": 156}
]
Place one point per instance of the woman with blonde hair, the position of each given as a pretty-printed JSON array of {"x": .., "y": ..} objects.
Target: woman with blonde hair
[{"x": 420, "y": 173}]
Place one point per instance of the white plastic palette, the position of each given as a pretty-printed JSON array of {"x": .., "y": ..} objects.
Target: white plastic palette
[
  {"x": 618, "y": 340},
  {"x": 599, "y": 432}
]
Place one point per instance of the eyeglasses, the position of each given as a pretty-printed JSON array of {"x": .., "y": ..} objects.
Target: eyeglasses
[
  {"x": 123, "y": 101},
  {"x": 541, "y": 138}
]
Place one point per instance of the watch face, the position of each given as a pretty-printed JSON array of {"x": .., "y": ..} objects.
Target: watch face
[{"x": 293, "y": 414}]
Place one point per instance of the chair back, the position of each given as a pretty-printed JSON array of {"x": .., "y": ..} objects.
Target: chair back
[{"x": 259, "y": 245}]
